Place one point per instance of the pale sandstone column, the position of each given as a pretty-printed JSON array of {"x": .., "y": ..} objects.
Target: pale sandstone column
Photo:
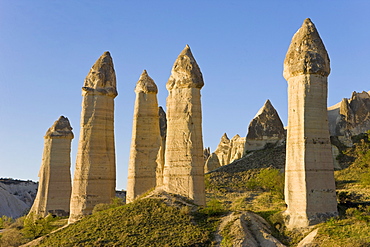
[
  {"x": 184, "y": 161},
  {"x": 95, "y": 174},
  {"x": 54, "y": 191},
  {"x": 146, "y": 139},
  {"x": 309, "y": 172}
]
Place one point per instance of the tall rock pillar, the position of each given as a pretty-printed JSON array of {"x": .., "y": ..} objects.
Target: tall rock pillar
[
  {"x": 184, "y": 161},
  {"x": 146, "y": 139},
  {"x": 54, "y": 191},
  {"x": 95, "y": 174},
  {"x": 309, "y": 172}
]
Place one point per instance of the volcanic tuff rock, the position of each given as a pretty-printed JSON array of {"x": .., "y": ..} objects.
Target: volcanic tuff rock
[
  {"x": 16, "y": 196},
  {"x": 350, "y": 117},
  {"x": 223, "y": 150},
  {"x": 248, "y": 229},
  {"x": 309, "y": 172},
  {"x": 184, "y": 161},
  {"x": 266, "y": 127},
  {"x": 95, "y": 174},
  {"x": 54, "y": 190},
  {"x": 146, "y": 139},
  {"x": 211, "y": 163},
  {"x": 161, "y": 154}
]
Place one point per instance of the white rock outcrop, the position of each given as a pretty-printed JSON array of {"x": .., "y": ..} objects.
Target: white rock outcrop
[{"x": 16, "y": 197}]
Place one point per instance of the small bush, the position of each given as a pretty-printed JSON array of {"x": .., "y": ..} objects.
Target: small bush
[
  {"x": 35, "y": 226},
  {"x": 214, "y": 207},
  {"x": 5, "y": 221},
  {"x": 269, "y": 179}
]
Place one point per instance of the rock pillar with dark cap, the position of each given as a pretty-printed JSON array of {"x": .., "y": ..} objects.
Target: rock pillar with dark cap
[
  {"x": 54, "y": 191},
  {"x": 309, "y": 172},
  {"x": 95, "y": 173},
  {"x": 146, "y": 139},
  {"x": 184, "y": 161}
]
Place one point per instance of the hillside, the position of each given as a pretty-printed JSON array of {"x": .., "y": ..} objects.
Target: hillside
[{"x": 251, "y": 184}]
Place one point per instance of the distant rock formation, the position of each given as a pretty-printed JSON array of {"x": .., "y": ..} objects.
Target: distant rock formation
[
  {"x": 95, "y": 174},
  {"x": 206, "y": 153},
  {"x": 184, "y": 161},
  {"x": 350, "y": 117},
  {"x": 161, "y": 156},
  {"x": 266, "y": 127},
  {"x": 146, "y": 139},
  {"x": 211, "y": 163},
  {"x": 229, "y": 150},
  {"x": 16, "y": 197},
  {"x": 223, "y": 150},
  {"x": 309, "y": 171},
  {"x": 54, "y": 190}
]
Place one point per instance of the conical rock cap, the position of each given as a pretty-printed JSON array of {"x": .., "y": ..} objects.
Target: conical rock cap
[
  {"x": 60, "y": 129},
  {"x": 185, "y": 72},
  {"x": 101, "y": 78},
  {"x": 306, "y": 53},
  {"x": 146, "y": 84}
]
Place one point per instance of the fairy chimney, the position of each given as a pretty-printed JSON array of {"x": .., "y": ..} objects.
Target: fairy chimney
[
  {"x": 54, "y": 190},
  {"x": 95, "y": 173},
  {"x": 146, "y": 139},
  {"x": 184, "y": 161},
  {"x": 309, "y": 172}
]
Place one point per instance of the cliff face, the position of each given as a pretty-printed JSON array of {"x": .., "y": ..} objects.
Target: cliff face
[{"x": 16, "y": 197}]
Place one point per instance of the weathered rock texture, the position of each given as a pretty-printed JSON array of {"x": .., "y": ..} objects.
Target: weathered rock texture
[
  {"x": 211, "y": 163},
  {"x": 54, "y": 190},
  {"x": 228, "y": 150},
  {"x": 161, "y": 152},
  {"x": 309, "y": 173},
  {"x": 16, "y": 197},
  {"x": 350, "y": 117},
  {"x": 95, "y": 174},
  {"x": 184, "y": 161},
  {"x": 266, "y": 127},
  {"x": 237, "y": 144},
  {"x": 146, "y": 139},
  {"x": 223, "y": 150},
  {"x": 248, "y": 229}
]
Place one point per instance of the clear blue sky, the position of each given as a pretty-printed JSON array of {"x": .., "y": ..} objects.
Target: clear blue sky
[{"x": 47, "y": 48}]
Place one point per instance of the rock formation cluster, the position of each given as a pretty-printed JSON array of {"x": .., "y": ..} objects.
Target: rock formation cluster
[
  {"x": 54, "y": 190},
  {"x": 350, "y": 117},
  {"x": 228, "y": 150},
  {"x": 184, "y": 161},
  {"x": 146, "y": 139},
  {"x": 95, "y": 173},
  {"x": 309, "y": 173}
]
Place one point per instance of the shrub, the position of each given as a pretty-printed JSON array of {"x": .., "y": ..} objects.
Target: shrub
[
  {"x": 269, "y": 179},
  {"x": 35, "y": 226}
]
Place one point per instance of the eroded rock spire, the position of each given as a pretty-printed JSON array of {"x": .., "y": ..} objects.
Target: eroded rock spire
[
  {"x": 309, "y": 173},
  {"x": 95, "y": 174},
  {"x": 146, "y": 139},
  {"x": 184, "y": 161},
  {"x": 54, "y": 191}
]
